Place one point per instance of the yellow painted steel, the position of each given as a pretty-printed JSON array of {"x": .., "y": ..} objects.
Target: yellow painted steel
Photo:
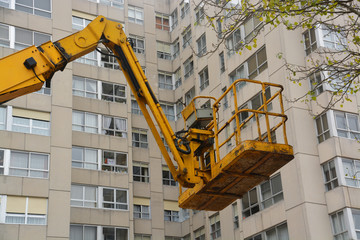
[{"x": 213, "y": 180}]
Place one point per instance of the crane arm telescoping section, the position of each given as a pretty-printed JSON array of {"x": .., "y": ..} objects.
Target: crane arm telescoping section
[{"x": 35, "y": 65}]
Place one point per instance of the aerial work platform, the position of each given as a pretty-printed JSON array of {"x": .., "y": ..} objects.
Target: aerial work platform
[{"x": 227, "y": 174}]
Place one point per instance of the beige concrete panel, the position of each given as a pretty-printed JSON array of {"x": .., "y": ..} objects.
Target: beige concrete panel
[
  {"x": 161, "y": 35},
  {"x": 157, "y": 210},
  {"x": 12, "y": 140},
  {"x": 296, "y": 223},
  {"x": 349, "y": 148},
  {"x": 39, "y": 102},
  {"x": 154, "y": 150},
  {"x": 91, "y": 105},
  {"x": 116, "y": 14},
  {"x": 61, "y": 122},
  {"x": 292, "y": 188},
  {"x": 116, "y": 76},
  {"x": 118, "y": 109},
  {"x": 140, "y": 154},
  {"x": 324, "y": 98},
  {"x": 102, "y": 10},
  {"x": 135, "y": 29},
  {"x": 311, "y": 176},
  {"x": 86, "y": 70},
  {"x": 62, "y": 16},
  {"x": 198, "y": 220},
  {"x": 117, "y": 143},
  {"x": 142, "y": 226},
  {"x": 185, "y": 227},
  {"x": 329, "y": 149},
  {"x": 142, "y": 189},
  {"x": 354, "y": 196},
  {"x": 292, "y": 43},
  {"x": 335, "y": 199},
  {"x": 188, "y": 84},
  {"x": 79, "y": 175},
  {"x": 138, "y": 121},
  {"x": 156, "y": 175},
  {"x": 16, "y": 18},
  {"x": 80, "y": 215},
  {"x": 37, "y": 143},
  {"x": 9, "y": 231},
  {"x": 171, "y": 193},
  {"x": 273, "y": 215},
  {"x": 157, "y": 234},
  {"x": 32, "y": 232},
  {"x": 277, "y": 45},
  {"x": 149, "y": 18},
  {"x": 61, "y": 89},
  {"x": 226, "y": 223},
  {"x": 60, "y": 165},
  {"x": 11, "y": 185},
  {"x": 252, "y": 225},
  {"x": 173, "y": 229},
  {"x": 83, "y": 6},
  {"x": 120, "y": 218},
  {"x": 150, "y": 43},
  {"x": 41, "y": 24},
  {"x": 41, "y": 189},
  {"x": 318, "y": 222},
  {"x": 58, "y": 214},
  {"x": 164, "y": 65},
  {"x": 161, "y": 6},
  {"x": 120, "y": 180}
]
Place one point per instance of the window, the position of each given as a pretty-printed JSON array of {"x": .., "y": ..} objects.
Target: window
[
  {"x": 204, "y": 78},
  {"x": 219, "y": 28},
  {"x": 235, "y": 215},
  {"x": 113, "y": 3},
  {"x": 238, "y": 73},
  {"x": 201, "y": 44},
  {"x": 23, "y": 210},
  {"x": 79, "y": 23},
  {"x": 257, "y": 63},
  {"x": 114, "y": 162},
  {"x": 333, "y": 38},
  {"x": 141, "y": 211},
  {"x": 115, "y": 233},
  {"x": 175, "y": 47},
  {"x": 169, "y": 111},
  {"x": 215, "y": 229},
  {"x": 339, "y": 226},
  {"x": 162, "y": 21},
  {"x": 330, "y": 176},
  {"x": 82, "y": 232},
  {"x": 222, "y": 62},
  {"x": 186, "y": 35},
  {"x": 84, "y": 122},
  {"x": 225, "y": 102},
  {"x": 165, "y": 81},
  {"x": 322, "y": 127},
  {"x": 167, "y": 177},
  {"x": 114, "y": 126},
  {"x": 4, "y": 35},
  {"x": 136, "y": 15},
  {"x": 25, "y": 38},
  {"x": 179, "y": 108},
  {"x": 138, "y": 44},
  {"x": 84, "y": 158},
  {"x": 347, "y": 125},
  {"x": 316, "y": 82},
  {"x": 113, "y": 92},
  {"x": 172, "y": 238},
  {"x": 135, "y": 108},
  {"x": 189, "y": 95},
  {"x": 24, "y": 164},
  {"x": 140, "y": 172},
  {"x": 184, "y": 8},
  {"x": 251, "y": 28},
  {"x": 90, "y": 58},
  {"x": 142, "y": 237},
  {"x": 352, "y": 172},
  {"x": 84, "y": 87},
  {"x": 108, "y": 60},
  {"x": 139, "y": 138},
  {"x": 174, "y": 19},
  {"x": 278, "y": 232},
  {"x": 2, "y": 118},
  {"x": 271, "y": 191},
  {"x": 309, "y": 37},
  {"x": 40, "y": 8},
  {"x": 177, "y": 77},
  {"x": 199, "y": 234},
  {"x": 356, "y": 218},
  {"x": 189, "y": 68},
  {"x": 165, "y": 143},
  {"x": 83, "y": 196},
  {"x": 29, "y": 121},
  {"x": 115, "y": 198},
  {"x": 267, "y": 193},
  {"x": 234, "y": 42},
  {"x": 163, "y": 50},
  {"x": 199, "y": 14},
  {"x": 171, "y": 215}
]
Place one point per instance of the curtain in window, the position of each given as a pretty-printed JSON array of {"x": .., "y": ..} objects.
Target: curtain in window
[
  {"x": 18, "y": 160},
  {"x": 120, "y": 124},
  {"x": 76, "y": 232},
  {"x": 89, "y": 233},
  {"x": 20, "y": 219},
  {"x": 78, "y": 121}
]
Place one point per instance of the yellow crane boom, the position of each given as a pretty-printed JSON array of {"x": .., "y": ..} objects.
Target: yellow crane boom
[{"x": 213, "y": 181}]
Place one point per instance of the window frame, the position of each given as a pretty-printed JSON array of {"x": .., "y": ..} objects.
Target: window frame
[
  {"x": 204, "y": 78},
  {"x": 85, "y": 126},
  {"x": 171, "y": 215},
  {"x": 114, "y": 202},
  {"x": 135, "y": 44},
  {"x": 84, "y": 202},
  {"x": 143, "y": 212},
  {"x": 164, "y": 80},
  {"x": 114, "y": 167},
  {"x": 201, "y": 44},
  {"x": 135, "y": 18},
  {"x": 141, "y": 134},
  {"x": 162, "y": 25},
  {"x": 186, "y": 37},
  {"x": 122, "y": 133},
  {"x": 215, "y": 226},
  {"x": 143, "y": 176},
  {"x": 188, "y": 67}
]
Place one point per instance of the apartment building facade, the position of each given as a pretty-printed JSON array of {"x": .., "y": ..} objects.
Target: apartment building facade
[{"x": 78, "y": 162}]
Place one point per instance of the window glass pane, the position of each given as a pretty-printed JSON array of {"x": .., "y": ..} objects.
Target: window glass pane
[
  {"x": 121, "y": 196},
  {"x": 90, "y": 193},
  {"x": 353, "y": 122},
  {"x": 76, "y": 192},
  {"x": 23, "y": 36},
  {"x": 121, "y": 234},
  {"x": 276, "y": 184},
  {"x": 19, "y": 160},
  {"x": 42, "y": 4},
  {"x": 39, "y": 161},
  {"x": 109, "y": 233},
  {"x": 107, "y": 89},
  {"x": 89, "y": 233},
  {"x": 76, "y": 232},
  {"x": 340, "y": 120},
  {"x": 108, "y": 195}
]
